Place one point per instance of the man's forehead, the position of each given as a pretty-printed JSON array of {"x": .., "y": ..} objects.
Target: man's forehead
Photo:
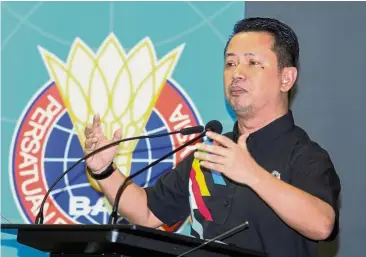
[
  {"x": 253, "y": 36},
  {"x": 250, "y": 44}
]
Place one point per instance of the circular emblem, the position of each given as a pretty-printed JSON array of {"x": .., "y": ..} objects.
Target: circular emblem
[{"x": 45, "y": 144}]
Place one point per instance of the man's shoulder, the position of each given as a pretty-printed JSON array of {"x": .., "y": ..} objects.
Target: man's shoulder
[{"x": 306, "y": 148}]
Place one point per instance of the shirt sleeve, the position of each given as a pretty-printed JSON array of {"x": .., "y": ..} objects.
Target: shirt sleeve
[
  {"x": 168, "y": 199},
  {"x": 314, "y": 172}
]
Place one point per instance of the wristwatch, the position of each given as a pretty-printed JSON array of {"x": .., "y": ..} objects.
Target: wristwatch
[{"x": 104, "y": 174}]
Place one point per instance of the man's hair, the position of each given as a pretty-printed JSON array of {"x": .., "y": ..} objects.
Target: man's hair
[{"x": 286, "y": 45}]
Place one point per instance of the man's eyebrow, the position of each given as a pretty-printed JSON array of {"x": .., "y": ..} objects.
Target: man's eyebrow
[
  {"x": 246, "y": 54},
  {"x": 229, "y": 54},
  {"x": 250, "y": 54}
]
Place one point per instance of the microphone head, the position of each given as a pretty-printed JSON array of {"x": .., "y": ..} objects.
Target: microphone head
[
  {"x": 214, "y": 126},
  {"x": 192, "y": 130}
]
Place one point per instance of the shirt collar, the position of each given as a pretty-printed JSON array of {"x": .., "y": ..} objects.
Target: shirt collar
[{"x": 270, "y": 131}]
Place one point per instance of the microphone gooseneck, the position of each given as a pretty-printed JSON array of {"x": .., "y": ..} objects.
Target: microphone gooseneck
[
  {"x": 228, "y": 232},
  {"x": 186, "y": 131},
  {"x": 114, "y": 214}
]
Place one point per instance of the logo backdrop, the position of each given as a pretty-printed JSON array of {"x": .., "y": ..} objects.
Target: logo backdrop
[{"x": 145, "y": 67}]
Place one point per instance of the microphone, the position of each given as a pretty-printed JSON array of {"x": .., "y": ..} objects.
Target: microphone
[
  {"x": 188, "y": 131},
  {"x": 184, "y": 131},
  {"x": 213, "y": 125},
  {"x": 232, "y": 230}
]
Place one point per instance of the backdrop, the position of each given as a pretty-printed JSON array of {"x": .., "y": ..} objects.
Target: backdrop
[
  {"x": 46, "y": 98},
  {"x": 62, "y": 62}
]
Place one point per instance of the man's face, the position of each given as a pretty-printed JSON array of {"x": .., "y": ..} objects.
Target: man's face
[{"x": 251, "y": 75}]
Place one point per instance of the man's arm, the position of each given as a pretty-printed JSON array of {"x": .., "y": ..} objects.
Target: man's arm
[
  {"x": 133, "y": 202},
  {"x": 306, "y": 205},
  {"x": 164, "y": 203},
  {"x": 307, "y": 214},
  {"x": 141, "y": 206}
]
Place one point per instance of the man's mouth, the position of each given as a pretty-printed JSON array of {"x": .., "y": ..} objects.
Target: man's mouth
[{"x": 235, "y": 91}]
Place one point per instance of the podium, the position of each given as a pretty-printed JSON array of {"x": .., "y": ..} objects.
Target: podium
[{"x": 116, "y": 241}]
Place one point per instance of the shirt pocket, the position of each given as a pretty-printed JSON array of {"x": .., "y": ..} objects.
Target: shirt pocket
[{"x": 220, "y": 202}]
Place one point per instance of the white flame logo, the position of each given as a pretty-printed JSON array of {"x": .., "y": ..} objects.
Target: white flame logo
[{"x": 122, "y": 88}]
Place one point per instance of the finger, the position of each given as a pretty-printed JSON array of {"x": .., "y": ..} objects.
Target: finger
[
  {"x": 216, "y": 143},
  {"x": 212, "y": 166},
  {"x": 96, "y": 119},
  {"x": 117, "y": 135},
  {"x": 223, "y": 140},
  {"x": 242, "y": 140},
  {"x": 90, "y": 142},
  {"x": 216, "y": 149},
  {"x": 97, "y": 124},
  {"x": 210, "y": 157},
  {"x": 88, "y": 130},
  {"x": 91, "y": 135}
]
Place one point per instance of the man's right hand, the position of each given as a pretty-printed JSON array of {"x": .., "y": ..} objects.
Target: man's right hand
[
  {"x": 95, "y": 139},
  {"x": 134, "y": 198}
]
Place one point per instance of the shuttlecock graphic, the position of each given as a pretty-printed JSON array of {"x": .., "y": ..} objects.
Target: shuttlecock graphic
[{"x": 123, "y": 88}]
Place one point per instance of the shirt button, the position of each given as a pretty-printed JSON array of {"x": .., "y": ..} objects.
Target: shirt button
[{"x": 226, "y": 203}]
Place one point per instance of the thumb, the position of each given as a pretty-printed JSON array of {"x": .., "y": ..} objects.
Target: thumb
[
  {"x": 117, "y": 135},
  {"x": 242, "y": 140}
]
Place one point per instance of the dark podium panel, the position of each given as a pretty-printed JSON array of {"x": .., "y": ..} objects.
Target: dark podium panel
[{"x": 116, "y": 240}]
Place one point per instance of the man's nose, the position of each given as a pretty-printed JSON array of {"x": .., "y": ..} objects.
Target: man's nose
[{"x": 239, "y": 73}]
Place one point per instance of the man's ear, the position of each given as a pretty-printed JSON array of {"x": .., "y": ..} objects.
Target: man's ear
[{"x": 288, "y": 78}]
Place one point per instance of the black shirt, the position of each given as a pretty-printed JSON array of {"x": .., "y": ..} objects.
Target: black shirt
[{"x": 217, "y": 204}]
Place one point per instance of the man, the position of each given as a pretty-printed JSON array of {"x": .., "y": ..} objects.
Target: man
[{"x": 267, "y": 171}]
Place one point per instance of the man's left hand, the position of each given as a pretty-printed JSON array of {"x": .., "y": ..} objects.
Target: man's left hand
[{"x": 230, "y": 158}]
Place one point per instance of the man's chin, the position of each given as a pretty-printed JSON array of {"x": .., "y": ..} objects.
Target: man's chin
[
  {"x": 243, "y": 111},
  {"x": 240, "y": 108}
]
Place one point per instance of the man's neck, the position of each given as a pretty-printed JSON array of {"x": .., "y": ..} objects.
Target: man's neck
[{"x": 259, "y": 120}]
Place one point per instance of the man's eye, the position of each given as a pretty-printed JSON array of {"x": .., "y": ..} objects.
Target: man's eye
[
  {"x": 230, "y": 64},
  {"x": 252, "y": 62}
]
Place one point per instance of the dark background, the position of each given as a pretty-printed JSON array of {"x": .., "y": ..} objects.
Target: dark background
[{"x": 329, "y": 103}]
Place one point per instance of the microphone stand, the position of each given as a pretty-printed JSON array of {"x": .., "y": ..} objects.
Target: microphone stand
[
  {"x": 39, "y": 218},
  {"x": 234, "y": 229}
]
